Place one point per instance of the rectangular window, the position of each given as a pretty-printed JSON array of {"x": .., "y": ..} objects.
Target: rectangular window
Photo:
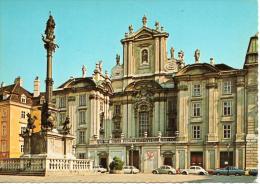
[
  {"x": 81, "y": 137},
  {"x": 196, "y": 90},
  {"x": 82, "y": 117},
  {"x": 196, "y": 110},
  {"x": 227, "y": 87},
  {"x": 22, "y": 148},
  {"x": 196, "y": 132},
  {"x": 227, "y": 108},
  {"x": 81, "y": 155},
  {"x": 82, "y": 100},
  {"x": 117, "y": 109},
  {"x": 227, "y": 131},
  {"x": 23, "y": 114},
  {"x": 62, "y": 102},
  {"x": 62, "y": 118}
]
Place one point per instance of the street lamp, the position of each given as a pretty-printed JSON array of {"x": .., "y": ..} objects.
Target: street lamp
[
  {"x": 132, "y": 157},
  {"x": 228, "y": 146}
]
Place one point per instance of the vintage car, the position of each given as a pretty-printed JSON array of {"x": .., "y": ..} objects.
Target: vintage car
[
  {"x": 165, "y": 169},
  {"x": 99, "y": 168},
  {"x": 194, "y": 170},
  {"x": 130, "y": 170},
  {"x": 253, "y": 172},
  {"x": 229, "y": 170}
]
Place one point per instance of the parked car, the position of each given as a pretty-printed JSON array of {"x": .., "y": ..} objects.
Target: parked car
[
  {"x": 229, "y": 170},
  {"x": 253, "y": 172},
  {"x": 99, "y": 168},
  {"x": 194, "y": 170},
  {"x": 130, "y": 170},
  {"x": 165, "y": 169}
]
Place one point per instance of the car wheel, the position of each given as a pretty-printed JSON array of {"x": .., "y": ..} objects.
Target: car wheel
[
  {"x": 184, "y": 173},
  {"x": 218, "y": 174},
  {"x": 201, "y": 173},
  {"x": 170, "y": 172},
  {"x": 237, "y": 174},
  {"x": 154, "y": 172}
]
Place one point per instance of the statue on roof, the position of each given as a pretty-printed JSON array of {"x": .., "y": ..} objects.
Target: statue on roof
[
  {"x": 172, "y": 53},
  {"x": 117, "y": 59},
  {"x": 131, "y": 29},
  {"x": 181, "y": 55},
  {"x": 197, "y": 56},
  {"x": 144, "y": 20},
  {"x": 157, "y": 26},
  {"x": 84, "y": 70}
]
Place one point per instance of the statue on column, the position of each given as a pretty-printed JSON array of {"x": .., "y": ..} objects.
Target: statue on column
[
  {"x": 66, "y": 128},
  {"x": 130, "y": 29},
  {"x": 144, "y": 20},
  {"x": 117, "y": 59},
  {"x": 197, "y": 56},
  {"x": 84, "y": 70},
  {"x": 30, "y": 123}
]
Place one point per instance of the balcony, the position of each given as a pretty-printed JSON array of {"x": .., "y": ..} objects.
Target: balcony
[{"x": 140, "y": 140}]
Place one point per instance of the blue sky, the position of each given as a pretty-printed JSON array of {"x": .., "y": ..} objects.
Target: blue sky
[{"x": 88, "y": 31}]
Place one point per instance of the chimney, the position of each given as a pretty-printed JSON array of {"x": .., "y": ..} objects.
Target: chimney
[
  {"x": 36, "y": 84},
  {"x": 18, "y": 80}
]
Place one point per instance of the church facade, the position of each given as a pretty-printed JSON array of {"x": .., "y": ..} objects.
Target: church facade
[{"x": 154, "y": 110}]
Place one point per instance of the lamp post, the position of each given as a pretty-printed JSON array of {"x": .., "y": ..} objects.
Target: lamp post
[
  {"x": 228, "y": 146},
  {"x": 132, "y": 157}
]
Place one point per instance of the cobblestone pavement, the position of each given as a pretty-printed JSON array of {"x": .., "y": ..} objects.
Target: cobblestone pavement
[{"x": 143, "y": 178}]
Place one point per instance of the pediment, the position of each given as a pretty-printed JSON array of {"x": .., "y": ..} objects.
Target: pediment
[
  {"x": 136, "y": 86},
  {"x": 144, "y": 34},
  {"x": 197, "y": 69}
]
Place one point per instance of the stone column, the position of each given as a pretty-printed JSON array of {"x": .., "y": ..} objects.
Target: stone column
[
  {"x": 125, "y": 59},
  {"x": 130, "y": 122},
  {"x": 240, "y": 109},
  {"x": 130, "y": 58},
  {"x": 156, "y": 62},
  {"x": 92, "y": 115}
]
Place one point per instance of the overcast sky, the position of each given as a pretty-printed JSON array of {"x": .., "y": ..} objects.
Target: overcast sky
[{"x": 88, "y": 31}]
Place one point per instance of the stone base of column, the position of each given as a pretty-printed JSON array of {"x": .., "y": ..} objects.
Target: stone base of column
[{"x": 251, "y": 151}]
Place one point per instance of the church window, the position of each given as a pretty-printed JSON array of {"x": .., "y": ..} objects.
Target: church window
[
  {"x": 227, "y": 108},
  {"x": 82, "y": 100},
  {"x": 81, "y": 137},
  {"x": 143, "y": 123},
  {"x": 82, "y": 117},
  {"x": 227, "y": 87},
  {"x": 196, "y": 109},
  {"x": 62, "y": 103},
  {"x": 227, "y": 131},
  {"x": 144, "y": 56},
  {"x": 117, "y": 109},
  {"x": 196, "y": 132},
  {"x": 196, "y": 90}
]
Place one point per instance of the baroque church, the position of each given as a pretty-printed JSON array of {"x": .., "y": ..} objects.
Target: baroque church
[{"x": 154, "y": 110}]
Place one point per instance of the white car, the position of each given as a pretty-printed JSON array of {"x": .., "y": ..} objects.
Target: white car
[
  {"x": 99, "y": 168},
  {"x": 130, "y": 170},
  {"x": 194, "y": 170}
]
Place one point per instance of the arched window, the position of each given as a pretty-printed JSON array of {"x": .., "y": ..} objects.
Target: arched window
[{"x": 144, "y": 56}]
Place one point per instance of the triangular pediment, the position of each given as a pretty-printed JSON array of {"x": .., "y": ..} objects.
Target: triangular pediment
[
  {"x": 144, "y": 34},
  {"x": 197, "y": 69}
]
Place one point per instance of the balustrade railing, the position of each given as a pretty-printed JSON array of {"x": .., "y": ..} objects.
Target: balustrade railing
[{"x": 137, "y": 140}]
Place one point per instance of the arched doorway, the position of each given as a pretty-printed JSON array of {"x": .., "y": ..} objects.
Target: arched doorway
[
  {"x": 103, "y": 159},
  {"x": 168, "y": 158}
]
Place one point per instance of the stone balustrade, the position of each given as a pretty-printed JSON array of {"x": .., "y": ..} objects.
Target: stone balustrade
[
  {"x": 45, "y": 165},
  {"x": 135, "y": 140}
]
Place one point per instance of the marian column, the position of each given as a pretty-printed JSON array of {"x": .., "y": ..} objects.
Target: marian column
[{"x": 48, "y": 116}]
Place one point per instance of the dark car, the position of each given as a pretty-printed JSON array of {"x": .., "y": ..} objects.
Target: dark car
[
  {"x": 229, "y": 170},
  {"x": 253, "y": 172}
]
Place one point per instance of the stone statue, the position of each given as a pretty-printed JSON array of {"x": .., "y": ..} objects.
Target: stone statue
[
  {"x": 181, "y": 55},
  {"x": 84, "y": 69},
  {"x": 144, "y": 20},
  {"x": 157, "y": 26},
  {"x": 197, "y": 56},
  {"x": 117, "y": 59},
  {"x": 47, "y": 118},
  {"x": 144, "y": 56},
  {"x": 30, "y": 123},
  {"x": 130, "y": 29},
  {"x": 100, "y": 66},
  {"x": 172, "y": 53},
  {"x": 66, "y": 128},
  {"x": 49, "y": 38}
]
